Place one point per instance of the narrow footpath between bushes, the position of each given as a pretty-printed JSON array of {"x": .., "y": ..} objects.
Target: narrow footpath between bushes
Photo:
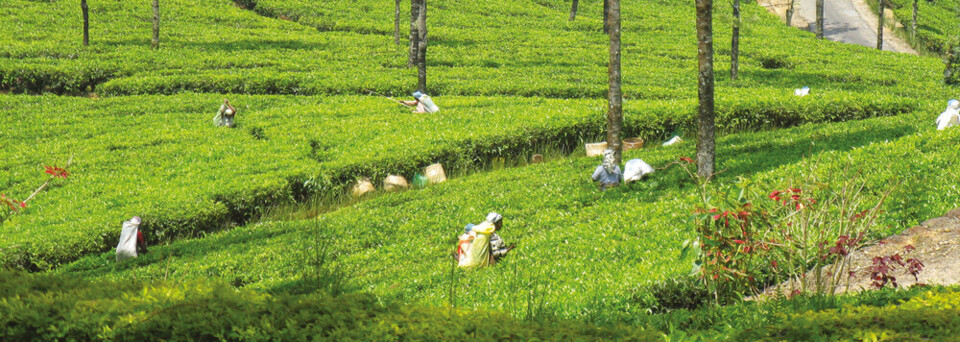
[{"x": 847, "y": 21}]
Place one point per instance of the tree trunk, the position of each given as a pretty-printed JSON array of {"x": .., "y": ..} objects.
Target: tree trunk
[
  {"x": 396, "y": 23},
  {"x": 86, "y": 22},
  {"x": 414, "y": 35},
  {"x": 573, "y": 10},
  {"x": 951, "y": 76},
  {"x": 606, "y": 15},
  {"x": 615, "y": 94},
  {"x": 790, "y": 12},
  {"x": 913, "y": 24},
  {"x": 880, "y": 25},
  {"x": 422, "y": 48},
  {"x": 819, "y": 19},
  {"x": 155, "y": 43},
  {"x": 735, "y": 42},
  {"x": 706, "y": 144}
]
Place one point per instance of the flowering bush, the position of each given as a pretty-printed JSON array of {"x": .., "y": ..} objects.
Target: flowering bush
[
  {"x": 16, "y": 206},
  {"x": 804, "y": 234}
]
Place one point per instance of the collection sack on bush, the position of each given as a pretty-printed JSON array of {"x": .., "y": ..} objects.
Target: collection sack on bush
[
  {"x": 635, "y": 170},
  {"x": 127, "y": 248}
]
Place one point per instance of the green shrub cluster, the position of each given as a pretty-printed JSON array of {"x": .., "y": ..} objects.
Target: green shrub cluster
[
  {"x": 218, "y": 178},
  {"x": 43, "y": 307},
  {"x": 581, "y": 254},
  {"x": 346, "y": 48},
  {"x": 53, "y": 308},
  {"x": 936, "y": 23}
]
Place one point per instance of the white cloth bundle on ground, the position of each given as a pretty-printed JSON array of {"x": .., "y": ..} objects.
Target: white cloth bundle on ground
[
  {"x": 127, "y": 248},
  {"x": 635, "y": 169},
  {"x": 672, "y": 141},
  {"x": 802, "y": 91}
]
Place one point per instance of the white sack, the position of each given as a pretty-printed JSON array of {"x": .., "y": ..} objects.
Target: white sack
[
  {"x": 127, "y": 248},
  {"x": 635, "y": 169}
]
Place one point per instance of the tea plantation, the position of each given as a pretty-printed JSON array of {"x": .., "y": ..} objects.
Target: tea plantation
[{"x": 513, "y": 78}]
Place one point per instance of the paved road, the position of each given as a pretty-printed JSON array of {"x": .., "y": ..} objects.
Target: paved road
[{"x": 842, "y": 23}]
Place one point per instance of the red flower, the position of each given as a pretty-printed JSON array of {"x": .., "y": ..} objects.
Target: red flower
[
  {"x": 740, "y": 241},
  {"x": 717, "y": 217},
  {"x": 686, "y": 159},
  {"x": 23, "y": 204},
  {"x": 796, "y": 190},
  {"x": 56, "y": 171},
  {"x": 713, "y": 210},
  {"x": 795, "y": 197}
]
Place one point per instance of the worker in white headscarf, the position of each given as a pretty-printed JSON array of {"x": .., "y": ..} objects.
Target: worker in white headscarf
[
  {"x": 608, "y": 173},
  {"x": 950, "y": 116},
  {"x": 423, "y": 103},
  {"x": 224, "y": 117}
]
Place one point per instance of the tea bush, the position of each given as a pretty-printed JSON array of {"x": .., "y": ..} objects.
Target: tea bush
[
  {"x": 56, "y": 307},
  {"x": 936, "y": 23},
  {"x": 581, "y": 254},
  {"x": 219, "y": 178},
  {"x": 44, "y": 307},
  {"x": 477, "y": 48}
]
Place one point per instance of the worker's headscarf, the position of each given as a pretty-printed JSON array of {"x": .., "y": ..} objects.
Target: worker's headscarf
[
  {"x": 953, "y": 104},
  {"x": 494, "y": 217},
  {"x": 609, "y": 160},
  {"x": 135, "y": 220},
  {"x": 417, "y": 95}
]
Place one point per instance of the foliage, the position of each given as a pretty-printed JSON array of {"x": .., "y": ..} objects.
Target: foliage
[
  {"x": 220, "y": 178},
  {"x": 936, "y": 23},
  {"x": 335, "y": 48},
  {"x": 585, "y": 253},
  {"x": 45, "y": 307}
]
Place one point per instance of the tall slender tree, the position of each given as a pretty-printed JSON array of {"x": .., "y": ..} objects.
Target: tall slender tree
[
  {"x": 735, "y": 42},
  {"x": 615, "y": 93},
  {"x": 913, "y": 24},
  {"x": 155, "y": 43},
  {"x": 819, "y": 19},
  {"x": 606, "y": 14},
  {"x": 396, "y": 22},
  {"x": 880, "y": 18},
  {"x": 422, "y": 47},
  {"x": 86, "y": 22},
  {"x": 790, "y": 11},
  {"x": 414, "y": 33},
  {"x": 706, "y": 134},
  {"x": 573, "y": 9}
]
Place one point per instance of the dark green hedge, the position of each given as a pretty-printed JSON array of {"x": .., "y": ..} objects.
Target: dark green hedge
[{"x": 37, "y": 307}]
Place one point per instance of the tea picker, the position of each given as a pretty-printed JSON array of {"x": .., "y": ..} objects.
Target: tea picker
[
  {"x": 480, "y": 245},
  {"x": 131, "y": 240},
  {"x": 608, "y": 173},
  {"x": 423, "y": 103},
  {"x": 950, "y": 117},
  {"x": 224, "y": 117}
]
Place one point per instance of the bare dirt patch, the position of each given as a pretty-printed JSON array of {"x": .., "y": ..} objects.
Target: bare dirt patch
[{"x": 935, "y": 242}]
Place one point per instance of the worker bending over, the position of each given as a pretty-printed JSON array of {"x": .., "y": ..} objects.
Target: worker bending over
[{"x": 423, "y": 103}]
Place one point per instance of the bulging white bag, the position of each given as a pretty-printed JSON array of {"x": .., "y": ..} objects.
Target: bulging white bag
[
  {"x": 635, "y": 169},
  {"x": 127, "y": 248}
]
